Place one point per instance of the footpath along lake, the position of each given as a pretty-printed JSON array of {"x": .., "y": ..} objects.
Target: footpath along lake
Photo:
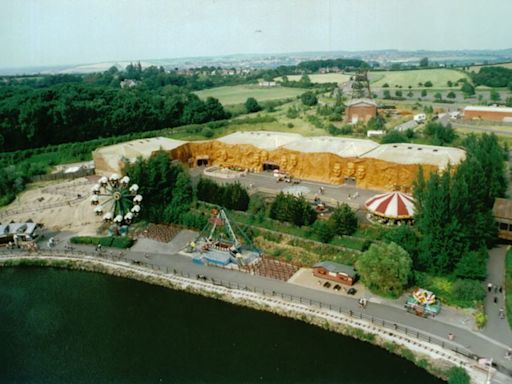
[{"x": 59, "y": 326}]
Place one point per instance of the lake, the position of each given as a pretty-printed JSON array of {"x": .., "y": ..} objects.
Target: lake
[{"x": 59, "y": 326}]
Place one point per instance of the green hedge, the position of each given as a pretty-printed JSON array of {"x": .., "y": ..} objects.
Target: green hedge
[{"x": 109, "y": 241}]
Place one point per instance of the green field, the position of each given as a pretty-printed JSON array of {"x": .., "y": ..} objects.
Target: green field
[
  {"x": 239, "y": 93},
  {"x": 321, "y": 78},
  {"x": 438, "y": 77}
]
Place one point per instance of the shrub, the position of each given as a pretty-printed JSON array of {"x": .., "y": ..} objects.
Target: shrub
[
  {"x": 251, "y": 105},
  {"x": 343, "y": 220},
  {"x": 473, "y": 265},
  {"x": 458, "y": 375},
  {"x": 468, "y": 291},
  {"x": 207, "y": 132},
  {"x": 296, "y": 210},
  {"x": 324, "y": 230},
  {"x": 107, "y": 241},
  {"x": 428, "y": 84},
  {"x": 309, "y": 99}
]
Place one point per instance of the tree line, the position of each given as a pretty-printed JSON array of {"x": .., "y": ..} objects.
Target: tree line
[
  {"x": 493, "y": 77},
  {"x": 37, "y": 117}
]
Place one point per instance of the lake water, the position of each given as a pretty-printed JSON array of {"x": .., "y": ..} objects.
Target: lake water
[{"x": 59, "y": 326}]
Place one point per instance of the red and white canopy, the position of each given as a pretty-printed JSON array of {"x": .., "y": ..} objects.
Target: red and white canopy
[{"x": 393, "y": 205}]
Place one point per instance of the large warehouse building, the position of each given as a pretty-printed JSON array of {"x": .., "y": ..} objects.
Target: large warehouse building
[
  {"x": 334, "y": 160},
  {"x": 478, "y": 112}
]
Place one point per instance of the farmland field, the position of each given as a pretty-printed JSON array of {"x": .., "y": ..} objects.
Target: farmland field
[
  {"x": 438, "y": 77},
  {"x": 239, "y": 93},
  {"x": 322, "y": 78}
]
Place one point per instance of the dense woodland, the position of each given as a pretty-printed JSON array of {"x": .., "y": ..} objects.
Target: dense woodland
[
  {"x": 37, "y": 117},
  {"x": 494, "y": 77}
]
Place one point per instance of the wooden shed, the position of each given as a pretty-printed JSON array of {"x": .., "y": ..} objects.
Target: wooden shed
[
  {"x": 339, "y": 273},
  {"x": 502, "y": 210}
]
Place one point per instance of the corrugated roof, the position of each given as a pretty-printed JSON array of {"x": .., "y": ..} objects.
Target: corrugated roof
[
  {"x": 482, "y": 108},
  {"x": 343, "y": 147},
  {"x": 406, "y": 153},
  {"x": 267, "y": 140},
  {"x": 336, "y": 268}
]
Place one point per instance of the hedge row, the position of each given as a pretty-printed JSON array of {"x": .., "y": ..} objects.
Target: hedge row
[{"x": 108, "y": 241}]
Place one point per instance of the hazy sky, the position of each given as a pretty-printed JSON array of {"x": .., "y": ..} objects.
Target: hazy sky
[{"x": 50, "y": 32}]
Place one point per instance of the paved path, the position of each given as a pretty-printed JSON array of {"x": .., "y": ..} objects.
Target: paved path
[
  {"x": 483, "y": 345},
  {"x": 496, "y": 328}
]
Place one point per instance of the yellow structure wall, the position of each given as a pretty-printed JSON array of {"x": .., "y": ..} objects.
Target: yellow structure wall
[{"x": 324, "y": 167}]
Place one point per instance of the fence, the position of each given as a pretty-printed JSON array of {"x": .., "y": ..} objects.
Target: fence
[
  {"x": 61, "y": 175},
  {"x": 356, "y": 315}
]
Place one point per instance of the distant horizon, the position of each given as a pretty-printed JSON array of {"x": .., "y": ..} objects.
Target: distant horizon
[
  {"x": 46, "y": 33},
  {"x": 352, "y": 52}
]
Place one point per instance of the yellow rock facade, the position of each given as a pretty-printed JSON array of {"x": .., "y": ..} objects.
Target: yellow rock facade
[{"x": 324, "y": 167}]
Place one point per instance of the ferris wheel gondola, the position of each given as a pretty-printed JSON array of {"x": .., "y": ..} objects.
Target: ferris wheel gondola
[{"x": 116, "y": 200}]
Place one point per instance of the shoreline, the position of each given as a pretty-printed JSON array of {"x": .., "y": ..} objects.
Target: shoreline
[{"x": 433, "y": 358}]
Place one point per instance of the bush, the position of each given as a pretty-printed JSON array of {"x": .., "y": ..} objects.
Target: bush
[
  {"x": 473, "y": 265},
  {"x": 458, "y": 375},
  {"x": 428, "y": 84},
  {"x": 251, "y": 105},
  {"x": 324, "y": 230},
  {"x": 194, "y": 220},
  {"x": 343, "y": 220},
  {"x": 107, "y": 241},
  {"x": 309, "y": 99},
  {"x": 394, "y": 136},
  {"x": 468, "y": 292},
  {"x": 207, "y": 132},
  {"x": 296, "y": 210}
]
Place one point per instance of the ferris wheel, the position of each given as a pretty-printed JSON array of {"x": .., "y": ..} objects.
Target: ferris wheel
[{"x": 115, "y": 199}]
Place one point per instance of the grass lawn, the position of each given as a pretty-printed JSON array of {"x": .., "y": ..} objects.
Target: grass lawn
[
  {"x": 438, "y": 77},
  {"x": 322, "y": 78},
  {"x": 239, "y": 93}
]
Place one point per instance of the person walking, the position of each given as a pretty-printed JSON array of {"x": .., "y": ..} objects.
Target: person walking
[
  {"x": 501, "y": 289},
  {"x": 495, "y": 289},
  {"x": 489, "y": 287},
  {"x": 502, "y": 313},
  {"x": 495, "y": 300}
]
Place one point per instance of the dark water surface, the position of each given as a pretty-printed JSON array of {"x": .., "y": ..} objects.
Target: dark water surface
[{"x": 60, "y": 326}]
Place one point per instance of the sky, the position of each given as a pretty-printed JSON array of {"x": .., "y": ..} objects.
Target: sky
[{"x": 55, "y": 32}]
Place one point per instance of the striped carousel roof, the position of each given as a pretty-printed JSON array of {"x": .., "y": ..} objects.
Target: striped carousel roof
[{"x": 393, "y": 205}]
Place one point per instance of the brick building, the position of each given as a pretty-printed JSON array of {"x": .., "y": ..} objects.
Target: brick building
[
  {"x": 360, "y": 110},
  {"x": 476, "y": 112}
]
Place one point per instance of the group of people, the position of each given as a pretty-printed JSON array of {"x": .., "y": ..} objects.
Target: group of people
[{"x": 495, "y": 288}]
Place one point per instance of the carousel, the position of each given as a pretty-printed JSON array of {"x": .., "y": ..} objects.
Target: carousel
[{"x": 394, "y": 208}]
